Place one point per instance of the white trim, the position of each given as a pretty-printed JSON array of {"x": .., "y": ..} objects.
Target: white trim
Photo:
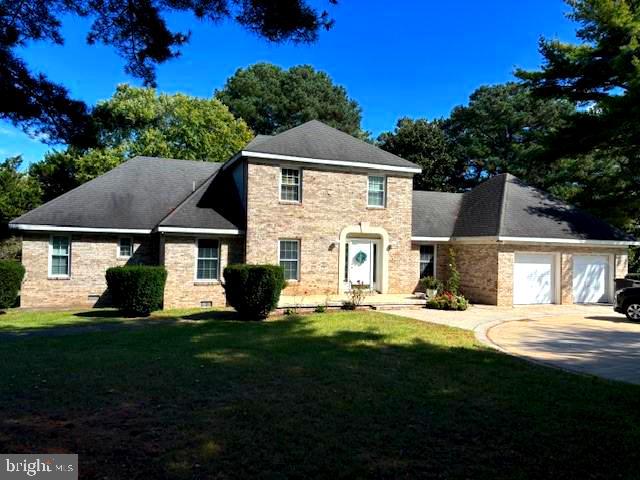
[
  {"x": 56, "y": 228},
  {"x": 338, "y": 163},
  {"x": 124, "y": 257},
  {"x": 364, "y": 230},
  {"x": 565, "y": 240},
  {"x": 430, "y": 239},
  {"x": 298, "y": 261},
  {"x": 384, "y": 191},
  {"x": 203, "y": 231},
  {"x": 196, "y": 255},
  {"x": 280, "y": 184},
  {"x": 435, "y": 260},
  {"x": 50, "y": 275}
]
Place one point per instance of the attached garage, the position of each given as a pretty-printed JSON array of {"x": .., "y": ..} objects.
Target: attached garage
[
  {"x": 534, "y": 278},
  {"x": 592, "y": 278}
]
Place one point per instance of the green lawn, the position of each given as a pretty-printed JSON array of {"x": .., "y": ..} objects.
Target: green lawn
[{"x": 333, "y": 395}]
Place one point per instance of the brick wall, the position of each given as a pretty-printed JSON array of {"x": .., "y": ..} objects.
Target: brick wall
[
  {"x": 181, "y": 290},
  {"x": 91, "y": 255},
  {"x": 331, "y": 201}
]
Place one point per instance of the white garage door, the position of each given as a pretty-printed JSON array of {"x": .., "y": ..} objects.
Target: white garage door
[
  {"x": 590, "y": 279},
  {"x": 533, "y": 279}
]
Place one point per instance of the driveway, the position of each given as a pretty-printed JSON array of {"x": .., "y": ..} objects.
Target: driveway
[{"x": 589, "y": 339}]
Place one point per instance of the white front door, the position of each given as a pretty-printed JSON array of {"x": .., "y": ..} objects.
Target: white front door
[
  {"x": 361, "y": 262},
  {"x": 533, "y": 279},
  {"x": 590, "y": 278}
]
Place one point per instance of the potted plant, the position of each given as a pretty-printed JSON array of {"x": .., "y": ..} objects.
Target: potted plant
[{"x": 431, "y": 286}]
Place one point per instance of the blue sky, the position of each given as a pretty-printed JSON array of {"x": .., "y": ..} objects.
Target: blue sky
[{"x": 417, "y": 59}]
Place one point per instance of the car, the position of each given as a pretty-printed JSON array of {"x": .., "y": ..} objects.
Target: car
[{"x": 628, "y": 302}]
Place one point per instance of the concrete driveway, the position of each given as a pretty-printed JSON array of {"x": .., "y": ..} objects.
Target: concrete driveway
[{"x": 588, "y": 339}]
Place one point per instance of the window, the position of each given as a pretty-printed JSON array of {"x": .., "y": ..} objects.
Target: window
[
  {"x": 125, "y": 247},
  {"x": 427, "y": 261},
  {"x": 60, "y": 254},
  {"x": 290, "y": 258},
  {"x": 207, "y": 261},
  {"x": 376, "y": 192},
  {"x": 290, "y": 185}
]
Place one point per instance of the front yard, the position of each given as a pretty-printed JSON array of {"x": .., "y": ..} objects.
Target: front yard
[{"x": 329, "y": 395}]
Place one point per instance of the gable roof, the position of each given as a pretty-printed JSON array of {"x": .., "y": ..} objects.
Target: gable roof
[
  {"x": 314, "y": 140},
  {"x": 504, "y": 208},
  {"x": 135, "y": 195}
]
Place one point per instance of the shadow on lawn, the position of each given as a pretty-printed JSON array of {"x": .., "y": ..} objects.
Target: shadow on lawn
[{"x": 301, "y": 397}]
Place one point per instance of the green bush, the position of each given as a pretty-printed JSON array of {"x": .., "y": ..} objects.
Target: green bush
[
  {"x": 430, "y": 283},
  {"x": 448, "y": 301},
  {"x": 253, "y": 290},
  {"x": 453, "y": 282},
  {"x": 11, "y": 275},
  {"x": 137, "y": 290}
]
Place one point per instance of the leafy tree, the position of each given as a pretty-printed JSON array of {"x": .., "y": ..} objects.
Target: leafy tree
[
  {"x": 56, "y": 173},
  {"x": 272, "y": 100},
  {"x": 503, "y": 129},
  {"x": 137, "y": 30},
  {"x": 138, "y": 121},
  {"x": 18, "y": 192},
  {"x": 424, "y": 143}
]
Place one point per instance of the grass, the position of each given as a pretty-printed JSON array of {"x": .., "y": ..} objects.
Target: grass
[{"x": 348, "y": 394}]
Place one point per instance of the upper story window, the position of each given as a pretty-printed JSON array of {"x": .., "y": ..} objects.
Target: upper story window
[
  {"x": 289, "y": 257},
  {"x": 59, "y": 256},
  {"x": 290, "y": 185},
  {"x": 376, "y": 192},
  {"x": 208, "y": 260},
  {"x": 125, "y": 247}
]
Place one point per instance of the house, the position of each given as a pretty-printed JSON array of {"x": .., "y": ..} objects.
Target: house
[{"x": 329, "y": 208}]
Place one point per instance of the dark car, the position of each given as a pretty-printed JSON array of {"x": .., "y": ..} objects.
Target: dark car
[{"x": 628, "y": 302}]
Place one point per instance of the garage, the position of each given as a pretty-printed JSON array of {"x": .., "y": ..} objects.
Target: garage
[
  {"x": 533, "y": 278},
  {"x": 591, "y": 279}
]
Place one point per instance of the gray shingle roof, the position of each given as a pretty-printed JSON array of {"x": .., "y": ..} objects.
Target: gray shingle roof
[
  {"x": 135, "y": 195},
  {"x": 435, "y": 213},
  {"x": 314, "y": 139}
]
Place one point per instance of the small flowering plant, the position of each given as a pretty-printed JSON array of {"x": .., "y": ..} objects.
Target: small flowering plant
[{"x": 448, "y": 301}]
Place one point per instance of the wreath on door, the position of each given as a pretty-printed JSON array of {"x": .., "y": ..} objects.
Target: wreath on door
[{"x": 360, "y": 258}]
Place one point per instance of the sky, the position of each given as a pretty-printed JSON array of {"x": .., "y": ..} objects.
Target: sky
[{"x": 404, "y": 58}]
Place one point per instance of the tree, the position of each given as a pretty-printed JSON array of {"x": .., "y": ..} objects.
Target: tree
[
  {"x": 601, "y": 76},
  {"x": 18, "y": 192},
  {"x": 138, "y": 121},
  {"x": 272, "y": 100},
  {"x": 138, "y": 31},
  {"x": 56, "y": 173},
  {"x": 503, "y": 129},
  {"x": 424, "y": 143}
]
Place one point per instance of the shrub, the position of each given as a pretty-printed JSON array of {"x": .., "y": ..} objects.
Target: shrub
[
  {"x": 138, "y": 289},
  {"x": 11, "y": 275},
  {"x": 357, "y": 295},
  {"x": 448, "y": 301},
  {"x": 430, "y": 283},
  {"x": 253, "y": 290},
  {"x": 453, "y": 282}
]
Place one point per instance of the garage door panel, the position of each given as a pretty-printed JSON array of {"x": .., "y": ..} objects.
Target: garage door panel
[
  {"x": 591, "y": 279},
  {"x": 533, "y": 279}
]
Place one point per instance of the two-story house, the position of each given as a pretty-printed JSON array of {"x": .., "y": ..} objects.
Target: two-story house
[{"x": 332, "y": 210}]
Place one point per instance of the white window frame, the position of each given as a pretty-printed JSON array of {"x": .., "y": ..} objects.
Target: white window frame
[
  {"x": 435, "y": 259},
  {"x": 297, "y": 240},
  {"x": 50, "y": 273},
  {"x": 384, "y": 191},
  {"x": 118, "y": 254},
  {"x": 280, "y": 184},
  {"x": 196, "y": 255}
]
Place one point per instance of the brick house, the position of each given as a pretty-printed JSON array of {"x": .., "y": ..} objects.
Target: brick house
[{"x": 332, "y": 210}]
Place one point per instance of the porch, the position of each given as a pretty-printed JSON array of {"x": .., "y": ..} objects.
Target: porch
[{"x": 375, "y": 301}]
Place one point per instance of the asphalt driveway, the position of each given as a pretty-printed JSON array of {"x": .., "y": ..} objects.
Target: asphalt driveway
[{"x": 589, "y": 339}]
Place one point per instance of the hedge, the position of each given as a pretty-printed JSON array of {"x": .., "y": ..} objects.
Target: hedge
[
  {"x": 137, "y": 290},
  {"x": 11, "y": 275},
  {"x": 253, "y": 290}
]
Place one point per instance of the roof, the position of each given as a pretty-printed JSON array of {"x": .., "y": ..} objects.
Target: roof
[
  {"x": 505, "y": 206},
  {"x": 214, "y": 205},
  {"x": 315, "y": 140},
  {"x": 137, "y": 194},
  {"x": 435, "y": 213}
]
